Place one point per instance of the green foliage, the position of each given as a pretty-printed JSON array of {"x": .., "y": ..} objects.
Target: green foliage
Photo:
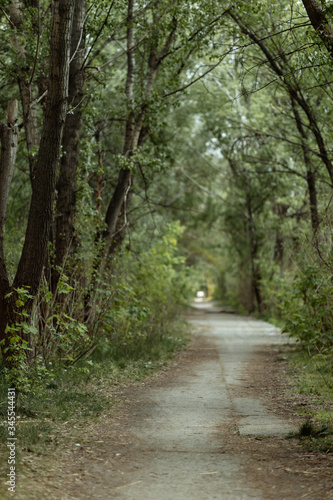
[
  {"x": 30, "y": 342},
  {"x": 62, "y": 334},
  {"x": 309, "y": 310},
  {"x": 15, "y": 345}
]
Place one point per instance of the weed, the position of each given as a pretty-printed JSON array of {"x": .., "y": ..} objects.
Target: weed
[{"x": 316, "y": 437}]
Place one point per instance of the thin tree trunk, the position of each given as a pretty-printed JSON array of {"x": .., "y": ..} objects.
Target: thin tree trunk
[
  {"x": 25, "y": 85},
  {"x": 255, "y": 272},
  {"x": 280, "y": 210},
  {"x": 100, "y": 170},
  {"x": 114, "y": 234},
  {"x": 310, "y": 171},
  {"x": 124, "y": 177},
  {"x": 67, "y": 186},
  {"x": 9, "y": 143}
]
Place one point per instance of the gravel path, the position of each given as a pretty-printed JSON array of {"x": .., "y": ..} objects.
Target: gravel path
[
  {"x": 178, "y": 430},
  {"x": 211, "y": 427}
]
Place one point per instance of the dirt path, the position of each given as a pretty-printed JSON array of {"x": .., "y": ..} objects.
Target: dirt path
[{"x": 212, "y": 427}]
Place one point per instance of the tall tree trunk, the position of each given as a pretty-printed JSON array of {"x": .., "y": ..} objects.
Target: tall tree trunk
[
  {"x": 255, "y": 272},
  {"x": 124, "y": 177},
  {"x": 66, "y": 186},
  {"x": 9, "y": 143},
  {"x": 280, "y": 210},
  {"x": 117, "y": 202},
  {"x": 310, "y": 170},
  {"x": 30, "y": 267}
]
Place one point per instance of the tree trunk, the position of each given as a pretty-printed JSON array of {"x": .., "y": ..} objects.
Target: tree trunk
[
  {"x": 133, "y": 134},
  {"x": 66, "y": 186},
  {"x": 24, "y": 81},
  {"x": 30, "y": 267},
  {"x": 280, "y": 209},
  {"x": 124, "y": 177},
  {"x": 310, "y": 171},
  {"x": 9, "y": 143},
  {"x": 254, "y": 247}
]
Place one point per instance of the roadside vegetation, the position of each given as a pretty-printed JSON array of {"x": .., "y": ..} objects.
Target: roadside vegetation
[{"x": 312, "y": 377}]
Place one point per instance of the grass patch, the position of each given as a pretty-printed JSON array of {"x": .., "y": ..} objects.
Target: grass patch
[{"x": 313, "y": 378}]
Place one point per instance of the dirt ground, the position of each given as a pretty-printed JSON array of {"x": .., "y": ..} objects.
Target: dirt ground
[{"x": 186, "y": 432}]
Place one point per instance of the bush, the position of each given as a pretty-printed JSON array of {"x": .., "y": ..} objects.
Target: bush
[{"x": 147, "y": 294}]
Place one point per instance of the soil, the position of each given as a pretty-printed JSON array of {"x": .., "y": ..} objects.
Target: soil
[{"x": 212, "y": 425}]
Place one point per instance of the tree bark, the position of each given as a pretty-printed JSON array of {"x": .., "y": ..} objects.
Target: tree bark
[
  {"x": 124, "y": 177},
  {"x": 40, "y": 214}
]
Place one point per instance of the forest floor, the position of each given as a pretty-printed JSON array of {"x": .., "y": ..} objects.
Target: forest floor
[{"x": 212, "y": 425}]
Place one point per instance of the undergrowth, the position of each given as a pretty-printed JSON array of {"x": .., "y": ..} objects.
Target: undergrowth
[{"x": 80, "y": 392}]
